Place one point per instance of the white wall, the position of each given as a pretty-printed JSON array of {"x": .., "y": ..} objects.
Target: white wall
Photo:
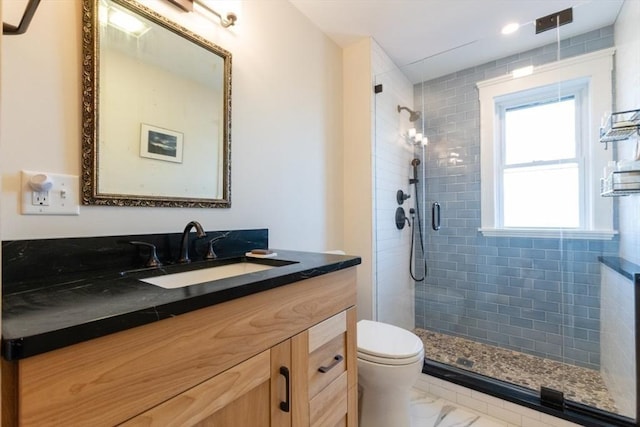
[
  {"x": 617, "y": 316},
  {"x": 395, "y": 288},
  {"x": 617, "y": 340},
  {"x": 286, "y": 127},
  {"x": 359, "y": 220},
  {"x": 627, "y": 38}
]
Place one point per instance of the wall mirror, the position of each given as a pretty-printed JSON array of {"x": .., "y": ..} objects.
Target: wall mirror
[{"x": 156, "y": 111}]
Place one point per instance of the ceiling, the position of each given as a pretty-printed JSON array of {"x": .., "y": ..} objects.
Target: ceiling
[{"x": 451, "y": 34}]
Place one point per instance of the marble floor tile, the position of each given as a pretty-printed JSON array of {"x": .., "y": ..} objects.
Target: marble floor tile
[{"x": 430, "y": 411}]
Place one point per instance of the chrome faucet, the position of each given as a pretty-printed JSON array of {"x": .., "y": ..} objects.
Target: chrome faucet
[{"x": 184, "y": 245}]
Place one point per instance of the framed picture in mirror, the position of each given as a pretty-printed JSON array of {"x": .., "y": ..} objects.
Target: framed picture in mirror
[{"x": 160, "y": 144}]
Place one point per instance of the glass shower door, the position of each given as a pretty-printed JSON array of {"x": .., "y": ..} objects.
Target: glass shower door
[{"x": 544, "y": 308}]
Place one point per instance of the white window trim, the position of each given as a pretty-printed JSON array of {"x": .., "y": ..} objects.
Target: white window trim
[
  {"x": 597, "y": 68},
  {"x": 551, "y": 233}
]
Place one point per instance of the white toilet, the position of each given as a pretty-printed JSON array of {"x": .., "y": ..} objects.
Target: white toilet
[{"x": 389, "y": 362}]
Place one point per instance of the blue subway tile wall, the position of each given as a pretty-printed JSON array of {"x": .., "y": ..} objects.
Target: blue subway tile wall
[{"x": 539, "y": 296}]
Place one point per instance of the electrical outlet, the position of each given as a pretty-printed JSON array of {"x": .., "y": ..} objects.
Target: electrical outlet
[
  {"x": 49, "y": 194},
  {"x": 40, "y": 198}
]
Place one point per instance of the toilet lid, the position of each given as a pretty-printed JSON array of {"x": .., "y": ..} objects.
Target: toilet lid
[
  {"x": 382, "y": 340},
  {"x": 389, "y": 361}
]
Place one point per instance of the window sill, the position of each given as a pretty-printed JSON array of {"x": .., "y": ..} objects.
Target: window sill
[{"x": 549, "y": 233}]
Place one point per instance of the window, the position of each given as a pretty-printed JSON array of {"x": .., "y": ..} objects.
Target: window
[{"x": 540, "y": 157}]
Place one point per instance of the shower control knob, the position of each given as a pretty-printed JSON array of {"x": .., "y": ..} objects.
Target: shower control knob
[
  {"x": 401, "y": 218},
  {"x": 401, "y": 196}
]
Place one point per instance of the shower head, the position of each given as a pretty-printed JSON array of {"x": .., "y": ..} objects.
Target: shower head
[
  {"x": 413, "y": 115},
  {"x": 415, "y": 162}
]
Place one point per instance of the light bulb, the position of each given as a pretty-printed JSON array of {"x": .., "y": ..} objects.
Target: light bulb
[{"x": 510, "y": 28}]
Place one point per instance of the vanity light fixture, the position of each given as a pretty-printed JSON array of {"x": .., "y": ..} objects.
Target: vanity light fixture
[
  {"x": 415, "y": 138},
  {"x": 226, "y": 21},
  {"x": 29, "y": 11}
]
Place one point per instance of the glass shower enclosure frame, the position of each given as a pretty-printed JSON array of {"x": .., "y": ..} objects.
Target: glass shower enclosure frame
[{"x": 559, "y": 305}]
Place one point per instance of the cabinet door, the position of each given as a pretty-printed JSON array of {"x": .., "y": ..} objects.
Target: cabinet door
[{"x": 239, "y": 396}]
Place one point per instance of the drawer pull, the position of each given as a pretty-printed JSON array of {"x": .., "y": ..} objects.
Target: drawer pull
[
  {"x": 337, "y": 359},
  {"x": 286, "y": 405}
]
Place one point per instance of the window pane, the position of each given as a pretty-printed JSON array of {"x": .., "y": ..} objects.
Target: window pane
[
  {"x": 539, "y": 132},
  {"x": 546, "y": 196}
]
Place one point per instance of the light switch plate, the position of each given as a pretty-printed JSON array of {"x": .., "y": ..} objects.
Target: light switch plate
[{"x": 62, "y": 198}]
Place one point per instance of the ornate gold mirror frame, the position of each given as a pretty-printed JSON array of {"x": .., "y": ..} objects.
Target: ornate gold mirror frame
[{"x": 160, "y": 154}]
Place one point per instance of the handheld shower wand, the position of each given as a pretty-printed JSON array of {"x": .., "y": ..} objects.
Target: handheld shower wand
[{"x": 414, "y": 163}]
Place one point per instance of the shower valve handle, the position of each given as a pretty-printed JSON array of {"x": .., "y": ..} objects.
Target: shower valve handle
[{"x": 401, "y": 196}]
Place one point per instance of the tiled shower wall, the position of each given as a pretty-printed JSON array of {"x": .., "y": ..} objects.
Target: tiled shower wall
[
  {"x": 392, "y": 157},
  {"x": 535, "y": 295}
]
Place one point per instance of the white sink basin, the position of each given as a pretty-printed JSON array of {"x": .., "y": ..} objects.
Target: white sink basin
[{"x": 194, "y": 277}]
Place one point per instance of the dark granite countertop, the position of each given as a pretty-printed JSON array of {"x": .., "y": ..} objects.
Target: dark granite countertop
[
  {"x": 621, "y": 265},
  {"x": 75, "y": 308}
]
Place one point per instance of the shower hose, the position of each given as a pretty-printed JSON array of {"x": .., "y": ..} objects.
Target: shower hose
[{"x": 413, "y": 237}]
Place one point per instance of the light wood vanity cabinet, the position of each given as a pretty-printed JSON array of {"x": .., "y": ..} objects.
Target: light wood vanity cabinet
[{"x": 223, "y": 365}]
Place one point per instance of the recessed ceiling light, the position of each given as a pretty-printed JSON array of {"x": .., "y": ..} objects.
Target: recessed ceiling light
[{"x": 510, "y": 28}]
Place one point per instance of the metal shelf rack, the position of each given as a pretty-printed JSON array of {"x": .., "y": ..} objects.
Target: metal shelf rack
[
  {"x": 620, "y": 126},
  {"x": 620, "y": 183}
]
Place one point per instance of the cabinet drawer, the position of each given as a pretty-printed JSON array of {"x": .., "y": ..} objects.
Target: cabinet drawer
[
  {"x": 329, "y": 407},
  {"x": 327, "y": 352},
  {"x": 327, "y": 330},
  {"x": 326, "y": 364},
  {"x": 326, "y": 399}
]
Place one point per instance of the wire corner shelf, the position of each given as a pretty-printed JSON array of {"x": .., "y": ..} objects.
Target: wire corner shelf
[{"x": 620, "y": 126}]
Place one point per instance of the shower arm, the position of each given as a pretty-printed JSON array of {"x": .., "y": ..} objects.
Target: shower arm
[{"x": 413, "y": 115}]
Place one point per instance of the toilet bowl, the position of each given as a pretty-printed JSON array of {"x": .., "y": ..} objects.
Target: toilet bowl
[{"x": 389, "y": 362}]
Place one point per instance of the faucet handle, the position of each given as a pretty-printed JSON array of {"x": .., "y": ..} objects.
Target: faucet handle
[
  {"x": 153, "y": 260},
  {"x": 210, "y": 253}
]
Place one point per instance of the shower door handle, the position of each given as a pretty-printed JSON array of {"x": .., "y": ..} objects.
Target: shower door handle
[{"x": 435, "y": 216}]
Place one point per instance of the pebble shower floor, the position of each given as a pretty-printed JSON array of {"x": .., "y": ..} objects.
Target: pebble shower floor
[{"x": 580, "y": 385}]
